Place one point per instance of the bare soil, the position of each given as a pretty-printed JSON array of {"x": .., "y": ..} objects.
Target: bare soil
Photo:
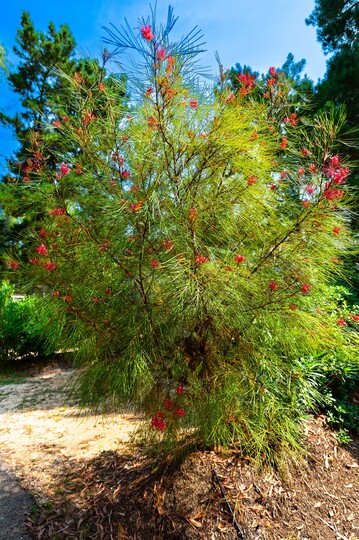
[{"x": 89, "y": 483}]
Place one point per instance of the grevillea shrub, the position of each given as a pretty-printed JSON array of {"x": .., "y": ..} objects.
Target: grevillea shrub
[{"x": 188, "y": 247}]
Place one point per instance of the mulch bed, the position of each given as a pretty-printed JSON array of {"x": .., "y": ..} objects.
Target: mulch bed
[{"x": 120, "y": 497}]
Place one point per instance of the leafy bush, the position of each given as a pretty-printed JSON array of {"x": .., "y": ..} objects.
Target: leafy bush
[{"x": 20, "y": 335}]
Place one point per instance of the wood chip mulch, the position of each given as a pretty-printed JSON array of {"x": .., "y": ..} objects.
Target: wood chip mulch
[{"x": 118, "y": 497}]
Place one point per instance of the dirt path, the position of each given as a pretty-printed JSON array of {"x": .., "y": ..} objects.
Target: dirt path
[{"x": 40, "y": 430}]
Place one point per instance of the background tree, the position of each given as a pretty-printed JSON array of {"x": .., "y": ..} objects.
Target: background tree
[
  {"x": 337, "y": 23},
  {"x": 180, "y": 245},
  {"x": 44, "y": 95}
]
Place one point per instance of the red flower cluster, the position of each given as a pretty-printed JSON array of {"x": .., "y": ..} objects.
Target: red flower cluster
[
  {"x": 284, "y": 143},
  {"x": 292, "y": 120},
  {"x": 273, "y": 186},
  {"x": 252, "y": 180},
  {"x": 336, "y": 230},
  {"x": 341, "y": 322},
  {"x": 146, "y": 33},
  {"x": 193, "y": 104},
  {"x": 305, "y": 288},
  {"x": 57, "y": 212},
  {"x": 155, "y": 264},
  {"x": 42, "y": 249},
  {"x": 248, "y": 82},
  {"x": 273, "y": 286},
  {"x": 152, "y": 122},
  {"x": 167, "y": 244},
  {"x": 333, "y": 193},
  {"x": 335, "y": 170},
  {"x": 161, "y": 54},
  {"x": 239, "y": 258},
  {"x": 56, "y": 123},
  {"x": 64, "y": 169},
  {"x": 50, "y": 266},
  {"x": 201, "y": 259},
  {"x": 14, "y": 264},
  {"x": 158, "y": 422},
  {"x": 87, "y": 117}
]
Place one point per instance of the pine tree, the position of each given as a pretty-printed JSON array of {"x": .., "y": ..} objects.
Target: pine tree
[
  {"x": 44, "y": 95},
  {"x": 187, "y": 250}
]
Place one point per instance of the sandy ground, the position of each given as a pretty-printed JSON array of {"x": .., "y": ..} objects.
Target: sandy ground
[{"x": 40, "y": 430}]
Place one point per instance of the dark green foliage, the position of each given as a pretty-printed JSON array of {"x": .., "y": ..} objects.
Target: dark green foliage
[{"x": 337, "y": 22}]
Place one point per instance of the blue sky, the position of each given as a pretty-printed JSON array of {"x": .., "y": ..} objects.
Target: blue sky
[{"x": 259, "y": 33}]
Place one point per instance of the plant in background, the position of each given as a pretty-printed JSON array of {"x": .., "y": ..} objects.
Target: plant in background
[
  {"x": 20, "y": 334},
  {"x": 189, "y": 245}
]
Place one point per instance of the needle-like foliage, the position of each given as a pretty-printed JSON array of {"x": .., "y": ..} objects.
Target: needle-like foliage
[{"x": 188, "y": 248}]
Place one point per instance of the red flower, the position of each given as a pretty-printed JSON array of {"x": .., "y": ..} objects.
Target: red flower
[
  {"x": 146, "y": 33},
  {"x": 56, "y": 123},
  {"x": 341, "y": 322},
  {"x": 273, "y": 286},
  {"x": 68, "y": 298},
  {"x": 292, "y": 120},
  {"x": 310, "y": 189},
  {"x": 284, "y": 143},
  {"x": 180, "y": 412},
  {"x": 161, "y": 54},
  {"x": 273, "y": 186},
  {"x": 64, "y": 169},
  {"x": 193, "y": 103},
  {"x": 152, "y": 122},
  {"x": 57, "y": 212},
  {"x": 312, "y": 168},
  {"x": 252, "y": 180},
  {"x": 101, "y": 87},
  {"x": 305, "y": 288},
  {"x": 79, "y": 169},
  {"x": 155, "y": 264},
  {"x": 168, "y": 404},
  {"x": 50, "y": 266},
  {"x": 87, "y": 117},
  {"x": 301, "y": 171},
  {"x": 55, "y": 294},
  {"x": 42, "y": 233},
  {"x": 271, "y": 83},
  {"x": 42, "y": 249},
  {"x": 201, "y": 259},
  {"x": 239, "y": 258},
  {"x": 336, "y": 230},
  {"x": 305, "y": 152},
  {"x": 332, "y": 194},
  {"x": 108, "y": 291},
  {"x": 272, "y": 71},
  {"x": 125, "y": 174},
  {"x": 14, "y": 264},
  {"x": 179, "y": 390},
  {"x": 167, "y": 244},
  {"x": 293, "y": 307},
  {"x": 228, "y": 268},
  {"x": 356, "y": 318}
]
